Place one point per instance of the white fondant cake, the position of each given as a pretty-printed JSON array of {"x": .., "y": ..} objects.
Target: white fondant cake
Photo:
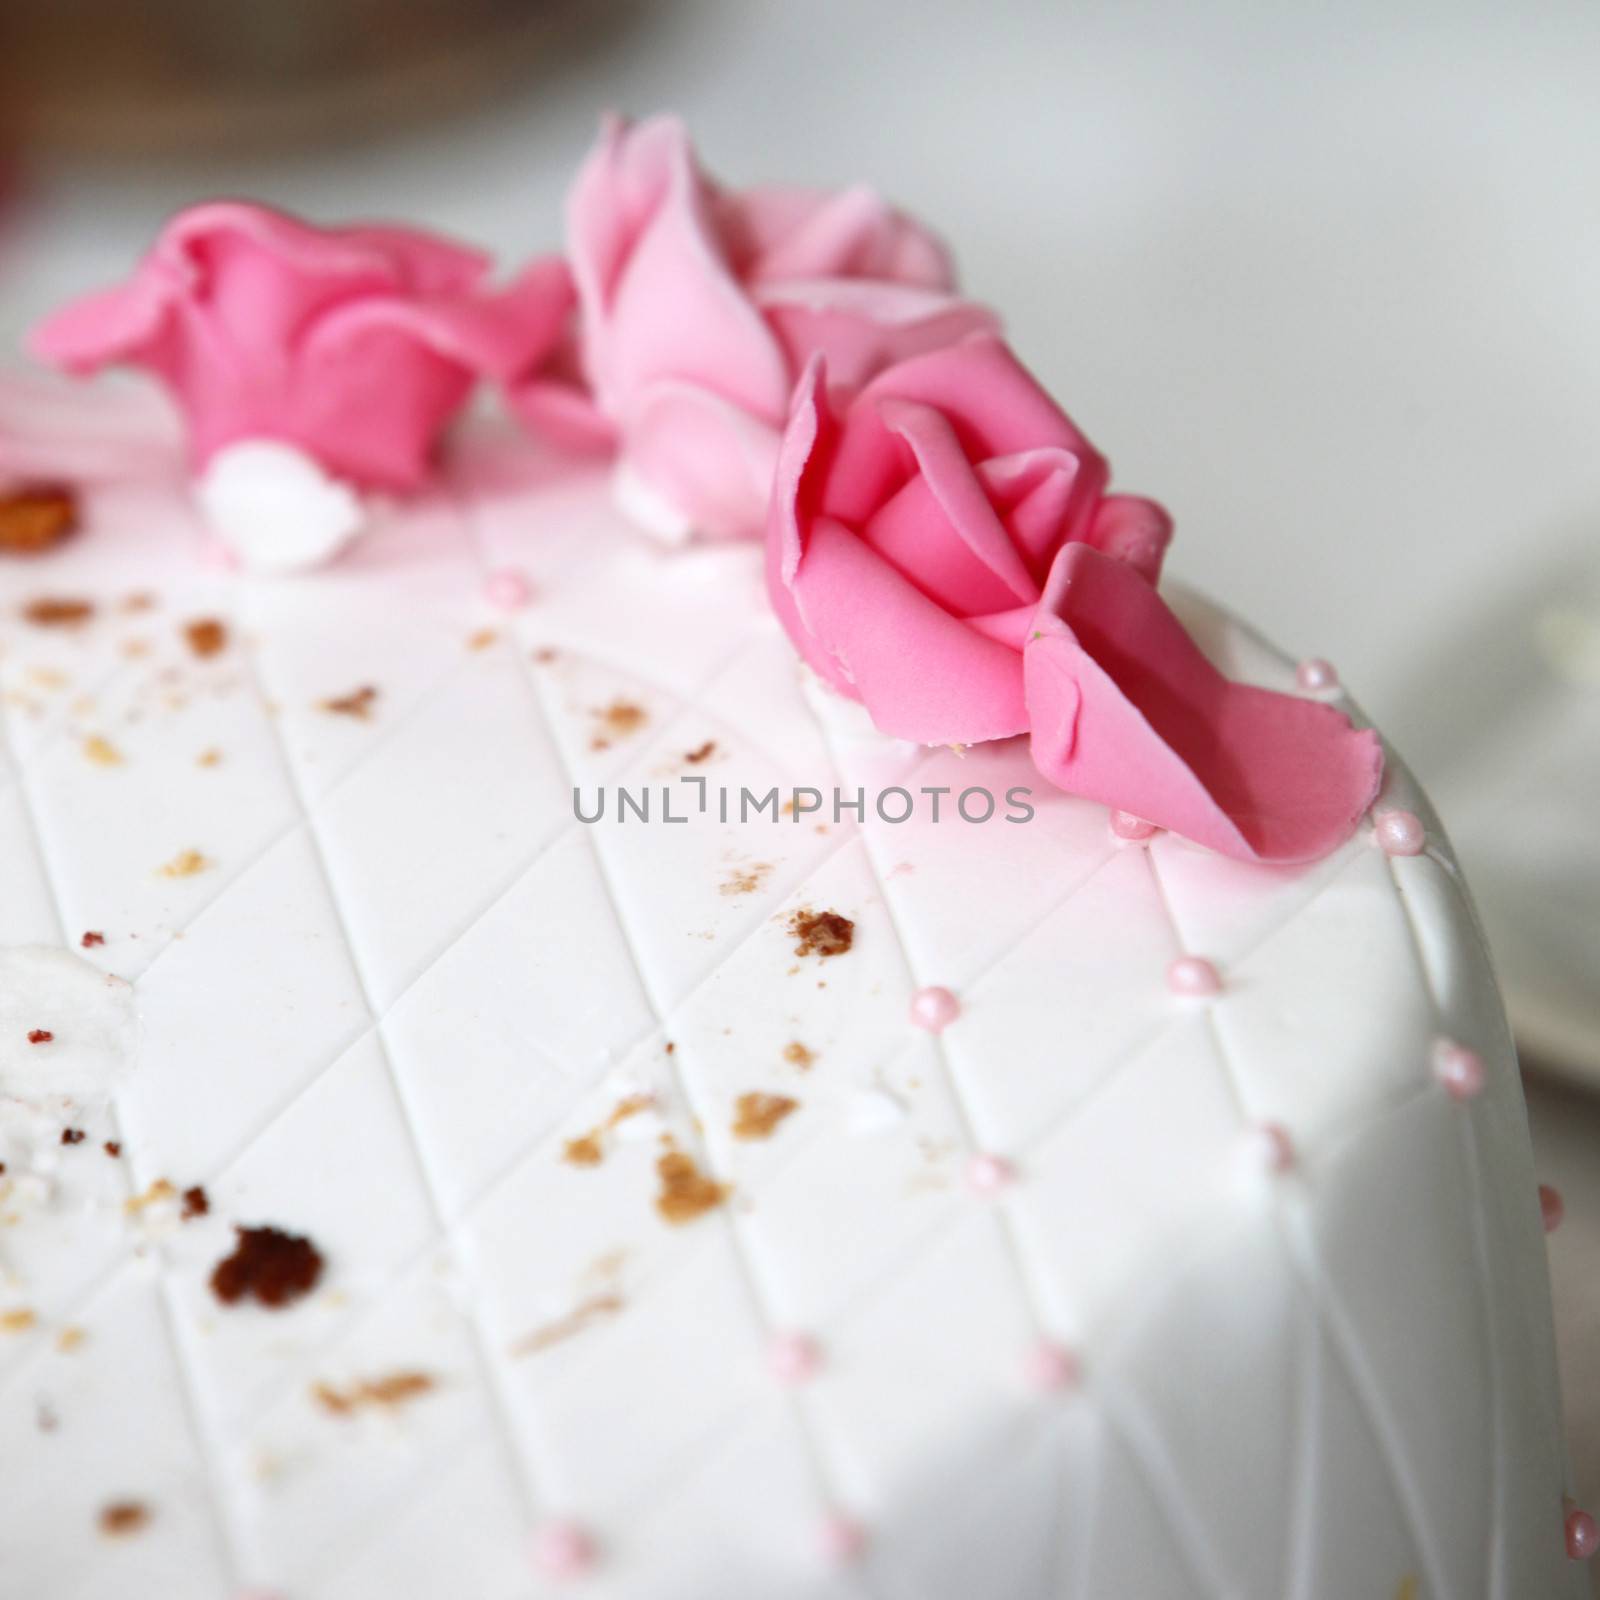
[{"x": 653, "y": 1230}]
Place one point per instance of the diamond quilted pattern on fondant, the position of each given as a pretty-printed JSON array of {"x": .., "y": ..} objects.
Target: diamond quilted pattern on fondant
[{"x": 403, "y": 1010}]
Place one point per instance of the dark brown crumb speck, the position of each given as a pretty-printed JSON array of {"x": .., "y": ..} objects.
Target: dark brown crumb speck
[
  {"x": 358, "y": 703},
  {"x": 50, "y": 611},
  {"x": 72, "y": 1136},
  {"x": 90, "y": 940},
  {"x": 196, "y": 1203},
  {"x": 40, "y": 1036},
  {"x": 113, "y": 1148},
  {"x": 268, "y": 1265},
  {"x": 36, "y": 517},
  {"x": 821, "y": 933},
  {"x": 701, "y": 753},
  {"x": 123, "y": 1517},
  {"x": 207, "y": 636}
]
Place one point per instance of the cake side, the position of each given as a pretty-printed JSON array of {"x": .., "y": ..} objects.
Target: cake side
[{"x": 691, "y": 1238}]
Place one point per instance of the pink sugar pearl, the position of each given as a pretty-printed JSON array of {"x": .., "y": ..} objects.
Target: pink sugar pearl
[
  {"x": 1051, "y": 1367},
  {"x": 842, "y": 1539},
  {"x": 562, "y": 1550},
  {"x": 1316, "y": 675},
  {"x": 1583, "y": 1534},
  {"x": 1459, "y": 1069},
  {"x": 794, "y": 1358},
  {"x": 1271, "y": 1148},
  {"x": 989, "y": 1174},
  {"x": 1135, "y": 830},
  {"x": 934, "y": 1008},
  {"x": 1400, "y": 833},
  {"x": 1552, "y": 1208},
  {"x": 507, "y": 589},
  {"x": 1193, "y": 977}
]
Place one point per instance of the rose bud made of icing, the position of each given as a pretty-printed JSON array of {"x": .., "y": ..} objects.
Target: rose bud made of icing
[
  {"x": 942, "y": 548},
  {"x": 310, "y": 365},
  {"x": 697, "y": 307}
]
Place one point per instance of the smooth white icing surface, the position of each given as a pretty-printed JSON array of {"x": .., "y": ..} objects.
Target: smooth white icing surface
[{"x": 407, "y": 976}]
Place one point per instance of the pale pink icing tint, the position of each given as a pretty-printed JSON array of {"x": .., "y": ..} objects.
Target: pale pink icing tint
[
  {"x": 1271, "y": 1148},
  {"x": 1051, "y": 1367},
  {"x": 934, "y": 1008},
  {"x": 1459, "y": 1069},
  {"x": 988, "y": 1174},
  {"x": 1552, "y": 1208},
  {"x": 698, "y": 305},
  {"x": 562, "y": 1550},
  {"x": 507, "y": 589},
  {"x": 1316, "y": 675},
  {"x": 1400, "y": 833},
  {"x": 1583, "y": 1534},
  {"x": 842, "y": 1539},
  {"x": 794, "y": 1358},
  {"x": 942, "y": 548},
  {"x": 354, "y": 344},
  {"x": 1135, "y": 830},
  {"x": 1194, "y": 977}
]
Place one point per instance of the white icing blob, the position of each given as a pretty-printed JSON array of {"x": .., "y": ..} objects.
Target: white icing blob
[
  {"x": 90, "y": 1014},
  {"x": 647, "y": 508},
  {"x": 276, "y": 508}
]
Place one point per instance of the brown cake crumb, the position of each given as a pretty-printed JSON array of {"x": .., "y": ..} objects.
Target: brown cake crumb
[
  {"x": 757, "y": 1115},
  {"x": 51, "y": 611},
  {"x": 821, "y": 933},
  {"x": 90, "y": 940},
  {"x": 40, "y": 1036},
  {"x": 686, "y": 1192},
  {"x": 745, "y": 880},
  {"x": 196, "y": 1203},
  {"x": 36, "y": 517},
  {"x": 701, "y": 753},
  {"x": 124, "y": 1517},
  {"x": 584, "y": 1151},
  {"x": 207, "y": 636},
  {"x": 101, "y": 751},
  {"x": 72, "y": 1136},
  {"x": 140, "y": 600},
  {"x": 19, "y": 1321},
  {"x": 186, "y": 864},
  {"x": 268, "y": 1265},
  {"x": 208, "y": 758},
  {"x": 483, "y": 639},
  {"x": 391, "y": 1391},
  {"x": 69, "y": 1339},
  {"x": 358, "y": 703},
  {"x": 617, "y": 721},
  {"x": 799, "y": 1055},
  {"x": 158, "y": 1191},
  {"x": 113, "y": 1148},
  {"x": 606, "y": 1304}
]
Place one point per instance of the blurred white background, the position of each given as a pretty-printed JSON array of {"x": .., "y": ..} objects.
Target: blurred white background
[{"x": 1326, "y": 279}]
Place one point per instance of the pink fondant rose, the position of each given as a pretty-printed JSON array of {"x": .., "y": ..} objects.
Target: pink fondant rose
[
  {"x": 942, "y": 548},
  {"x": 353, "y": 345},
  {"x": 698, "y": 307}
]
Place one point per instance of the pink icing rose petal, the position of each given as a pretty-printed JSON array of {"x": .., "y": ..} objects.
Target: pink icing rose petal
[
  {"x": 697, "y": 307},
  {"x": 942, "y": 548},
  {"x": 355, "y": 345},
  {"x": 910, "y": 534},
  {"x": 1125, "y": 709}
]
